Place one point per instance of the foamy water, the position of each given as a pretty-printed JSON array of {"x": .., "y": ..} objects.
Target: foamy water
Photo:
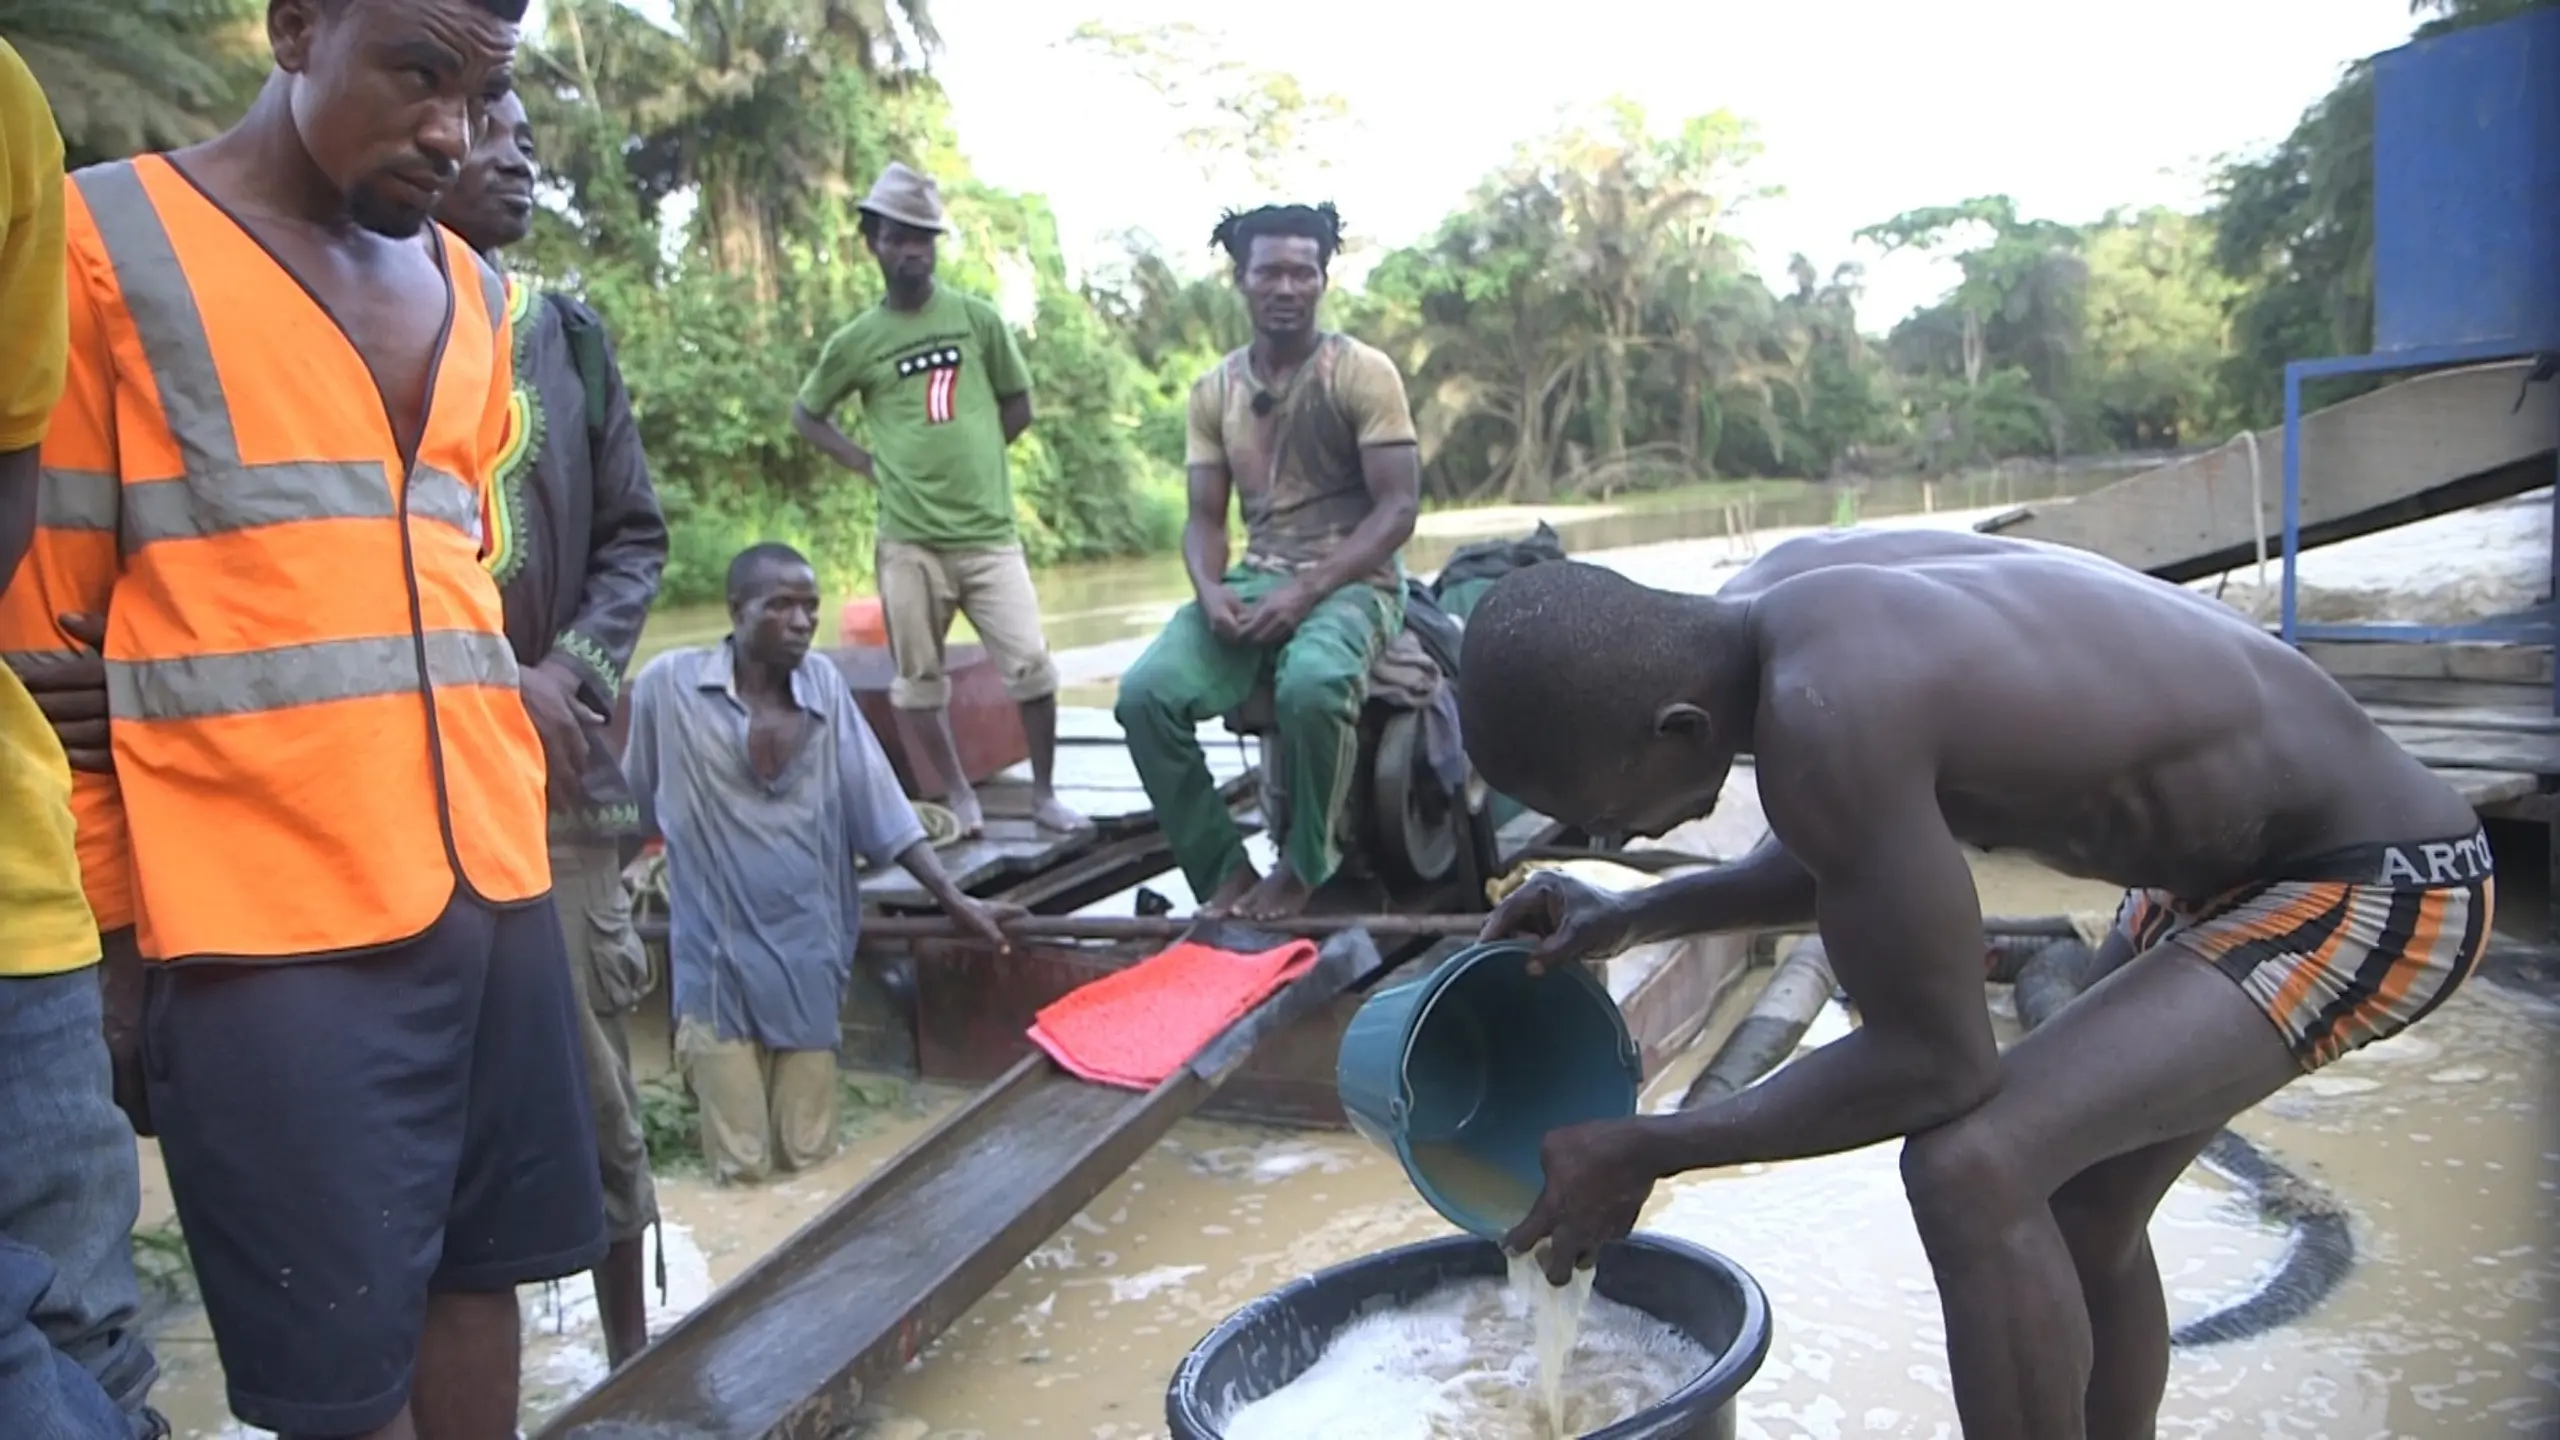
[{"x": 1463, "y": 1363}]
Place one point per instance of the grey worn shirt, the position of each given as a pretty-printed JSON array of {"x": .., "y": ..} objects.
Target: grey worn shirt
[{"x": 763, "y": 906}]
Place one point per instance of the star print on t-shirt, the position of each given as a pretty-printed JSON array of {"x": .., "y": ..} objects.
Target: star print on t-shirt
[{"x": 941, "y": 368}]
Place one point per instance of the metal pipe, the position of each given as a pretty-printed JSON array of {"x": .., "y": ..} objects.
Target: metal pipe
[
  {"x": 1167, "y": 927},
  {"x": 1776, "y": 1025},
  {"x": 2292, "y": 495}
]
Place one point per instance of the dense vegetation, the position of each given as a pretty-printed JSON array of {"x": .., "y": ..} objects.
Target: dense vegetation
[{"x": 1584, "y": 323}]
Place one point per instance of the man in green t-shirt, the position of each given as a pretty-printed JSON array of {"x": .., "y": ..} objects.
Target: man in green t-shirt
[{"x": 944, "y": 390}]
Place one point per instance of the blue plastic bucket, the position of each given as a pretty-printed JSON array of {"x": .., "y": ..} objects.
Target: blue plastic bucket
[{"x": 1463, "y": 1072}]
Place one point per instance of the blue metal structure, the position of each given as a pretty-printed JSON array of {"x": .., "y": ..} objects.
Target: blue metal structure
[{"x": 2466, "y": 257}]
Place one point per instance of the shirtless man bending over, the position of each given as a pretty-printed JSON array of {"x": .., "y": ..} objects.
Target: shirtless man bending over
[{"x": 2298, "y": 887}]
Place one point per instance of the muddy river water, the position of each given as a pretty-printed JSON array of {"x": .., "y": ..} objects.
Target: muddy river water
[{"x": 2440, "y": 1144}]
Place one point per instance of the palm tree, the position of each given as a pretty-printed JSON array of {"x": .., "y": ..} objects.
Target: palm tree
[
  {"x": 1500, "y": 339},
  {"x": 746, "y": 101},
  {"x": 1733, "y": 349},
  {"x": 1633, "y": 203},
  {"x": 127, "y": 76}
]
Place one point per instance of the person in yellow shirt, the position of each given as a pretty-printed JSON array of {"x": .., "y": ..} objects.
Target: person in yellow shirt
[{"x": 72, "y": 1358}]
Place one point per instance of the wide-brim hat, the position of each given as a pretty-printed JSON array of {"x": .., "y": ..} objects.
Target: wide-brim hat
[{"x": 902, "y": 195}]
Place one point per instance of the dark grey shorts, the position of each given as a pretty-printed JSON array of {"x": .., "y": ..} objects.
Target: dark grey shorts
[{"x": 344, "y": 1136}]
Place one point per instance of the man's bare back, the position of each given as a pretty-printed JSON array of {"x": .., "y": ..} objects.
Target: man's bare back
[
  {"x": 2297, "y": 886},
  {"x": 2113, "y": 727}
]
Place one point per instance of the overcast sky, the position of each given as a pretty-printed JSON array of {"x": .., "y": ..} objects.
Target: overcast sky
[{"x": 1865, "y": 107}]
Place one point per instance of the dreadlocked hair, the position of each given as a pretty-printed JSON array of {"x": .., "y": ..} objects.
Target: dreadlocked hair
[{"x": 1237, "y": 230}]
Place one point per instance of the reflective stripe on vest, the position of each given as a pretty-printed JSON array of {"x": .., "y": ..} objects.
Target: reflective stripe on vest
[
  {"x": 218, "y": 494},
  {"x": 76, "y": 500},
  {"x": 200, "y": 687}
]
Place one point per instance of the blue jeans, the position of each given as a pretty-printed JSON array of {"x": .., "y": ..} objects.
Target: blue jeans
[
  {"x": 43, "y": 1392},
  {"x": 70, "y": 1189}
]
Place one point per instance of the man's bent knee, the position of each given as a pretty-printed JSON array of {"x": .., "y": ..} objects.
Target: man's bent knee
[
  {"x": 1148, "y": 696},
  {"x": 1029, "y": 681},
  {"x": 1963, "y": 1179}
]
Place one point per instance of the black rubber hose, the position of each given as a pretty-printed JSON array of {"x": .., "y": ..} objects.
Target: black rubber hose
[
  {"x": 2320, "y": 1248},
  {"x": 2050, "y": 979}
]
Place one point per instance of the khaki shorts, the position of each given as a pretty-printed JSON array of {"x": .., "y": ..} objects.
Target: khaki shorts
[
  {"x": 611, "y": 971},
  {"x": 922, "y": 588}
]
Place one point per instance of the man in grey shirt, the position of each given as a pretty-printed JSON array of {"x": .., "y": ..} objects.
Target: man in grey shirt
[{"x": 768, "y": 788}]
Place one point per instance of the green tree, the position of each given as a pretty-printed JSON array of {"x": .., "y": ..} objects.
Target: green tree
[
  {"x": 2156, "y": 332},
  {"x": 125, "y": 76},
  {"x": 1842, "y": 409},
  {"x": 1635, "y": 206},
  {"x": 1494, "y": 338},
  {"x": 2020, "y": 306}
]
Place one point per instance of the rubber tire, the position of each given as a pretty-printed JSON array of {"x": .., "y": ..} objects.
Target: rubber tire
[{"x": 1418, "y": 851}]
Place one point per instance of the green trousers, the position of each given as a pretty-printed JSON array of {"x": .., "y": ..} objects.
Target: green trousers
[{"x": 1319, "y": 678}]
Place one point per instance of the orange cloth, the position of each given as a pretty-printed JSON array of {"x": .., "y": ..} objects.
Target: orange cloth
[{"x": 1137, "y": 1026}]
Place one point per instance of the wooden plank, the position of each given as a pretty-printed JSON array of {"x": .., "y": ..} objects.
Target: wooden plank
[
  {"x": 2485, "y": 789},
  {"x": 2506, "y": 664},
  {"x": 2527, "y": 697},
  {"x": 2507, "y": 795},
  {"x": 2425, "y": 446},
  {"x": 2467, "y": 717},
  {"x": 2478, "y": 749},
  {"x": 1669, "y": 1006},
  {"x": 1093, "y": 725}
]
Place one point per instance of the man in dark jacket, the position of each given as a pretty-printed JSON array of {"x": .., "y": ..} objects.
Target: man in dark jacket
[{"x": 577, "y": 543}]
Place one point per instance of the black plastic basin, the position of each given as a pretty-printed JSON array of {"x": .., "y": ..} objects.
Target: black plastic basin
[{"x": 1272, "y": 1341}]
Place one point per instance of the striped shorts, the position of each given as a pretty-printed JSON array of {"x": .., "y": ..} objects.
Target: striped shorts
[{"x": 2344, "y": 949}]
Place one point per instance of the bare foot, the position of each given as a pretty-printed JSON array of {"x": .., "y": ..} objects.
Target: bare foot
[
  {"x": 1280, "y": 895},
  {"x": 1233, "y": 889},
  {"x": 972, "y": 816},
  {"x": 1050, "y": 814}
]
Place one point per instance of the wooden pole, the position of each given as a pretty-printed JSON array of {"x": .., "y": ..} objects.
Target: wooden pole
[{"x": 1168, "y": 927}]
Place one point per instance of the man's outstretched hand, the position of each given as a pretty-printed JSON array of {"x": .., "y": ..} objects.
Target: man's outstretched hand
[
  {"x": 1565, "y": 920},
  {"x": 1597, "y": 1182},
  {"x": 70, "y": 690}
]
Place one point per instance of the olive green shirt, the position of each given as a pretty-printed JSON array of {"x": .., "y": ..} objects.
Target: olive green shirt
[
  {"x": 930, "y": 381},
  {"x": 1296, "y": 469}
]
